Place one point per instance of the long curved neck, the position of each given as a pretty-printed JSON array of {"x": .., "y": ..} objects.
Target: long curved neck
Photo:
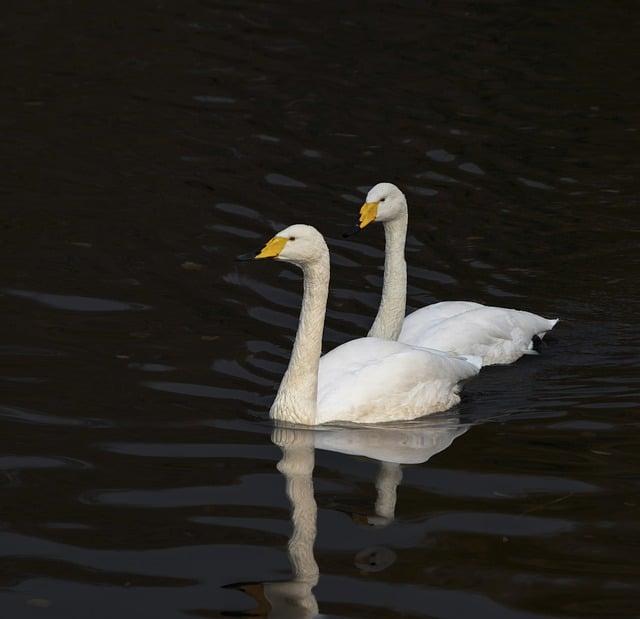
[
  {"x": 297, "y": 397},
  {"x": 388, "y": 322}
]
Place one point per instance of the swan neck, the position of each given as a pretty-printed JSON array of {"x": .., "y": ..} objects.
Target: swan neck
[
  {"x": 296, "y": 401},
  {"x": 388, "y": 322}
]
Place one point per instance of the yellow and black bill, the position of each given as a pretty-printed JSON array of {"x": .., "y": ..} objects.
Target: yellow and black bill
[
  {"x": 271, "y": 250},
  {"x": 368, "y": 213}
]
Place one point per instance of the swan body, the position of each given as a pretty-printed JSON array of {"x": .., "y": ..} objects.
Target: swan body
[
  {"x": 367, "y": 380},
  {"x": 498, "y": 335},
  {"x": 437, "y": 311}
]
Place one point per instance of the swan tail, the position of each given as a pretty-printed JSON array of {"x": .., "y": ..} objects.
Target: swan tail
[{"x": 550, "y": 324}]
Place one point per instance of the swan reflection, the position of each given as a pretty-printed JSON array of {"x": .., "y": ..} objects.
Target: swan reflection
[
  {"x": 392, "y": 445},
  {"x": 293, "y": 598}
]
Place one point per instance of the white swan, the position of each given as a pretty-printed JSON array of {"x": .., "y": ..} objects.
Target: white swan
[
  {"x": 496, "y": 334},
  {"x": 367, "y": 380}
]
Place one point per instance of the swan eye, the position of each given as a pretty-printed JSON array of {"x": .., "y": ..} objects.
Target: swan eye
[
  {"x": 382, "y": 199},
  {"x": 292, "y": 238}
]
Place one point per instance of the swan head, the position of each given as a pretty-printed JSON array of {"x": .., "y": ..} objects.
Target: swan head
[
  {"x": 384, "y": 203},
  {"x": 299, "y": 244}
]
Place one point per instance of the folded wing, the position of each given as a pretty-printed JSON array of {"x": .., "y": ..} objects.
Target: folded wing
[
  {"x": 498, "y": 335},
  {"x": 373, "y": 380}
]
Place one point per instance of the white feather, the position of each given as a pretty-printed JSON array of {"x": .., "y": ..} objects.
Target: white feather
[
  {"x": 370, "y": 380},
  {"x": 367, "y": 380},
  {"x": 497, "y": 335}
]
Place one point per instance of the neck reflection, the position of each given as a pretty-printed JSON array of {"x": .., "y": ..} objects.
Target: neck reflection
[{"x": 392, "y": 445}]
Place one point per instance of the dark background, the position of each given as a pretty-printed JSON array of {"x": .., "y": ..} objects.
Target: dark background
[{"x": 148, "y": 143}]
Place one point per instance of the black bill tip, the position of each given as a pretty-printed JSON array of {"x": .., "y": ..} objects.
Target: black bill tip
[
  {"x": 246, "y": 257},
  {"x": 346, "y": 235}
]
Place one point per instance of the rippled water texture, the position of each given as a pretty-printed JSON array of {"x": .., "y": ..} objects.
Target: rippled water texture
[{"x": 147, "y": 144}]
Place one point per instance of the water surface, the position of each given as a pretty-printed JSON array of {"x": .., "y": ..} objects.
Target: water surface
[{"x": 147, "y": 145}]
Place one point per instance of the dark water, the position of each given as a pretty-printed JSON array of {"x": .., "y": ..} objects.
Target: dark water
[{"x": 148, "y": 143}]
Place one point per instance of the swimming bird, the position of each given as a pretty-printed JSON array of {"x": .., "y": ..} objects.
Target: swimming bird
[
  {"x": 498, "y": 335},
  {"x": 366, "y": 380}
]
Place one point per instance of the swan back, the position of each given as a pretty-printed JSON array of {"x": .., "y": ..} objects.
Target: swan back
[{"x": 496, "y": 334}]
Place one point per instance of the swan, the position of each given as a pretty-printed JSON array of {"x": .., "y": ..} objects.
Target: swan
[
  {"x": 366, "y": 380},
  {"x": 498, "y": 335}
]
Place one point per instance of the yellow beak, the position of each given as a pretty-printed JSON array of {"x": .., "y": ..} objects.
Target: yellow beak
[
  {"x": 273, "y": 248},
  {"x": 368, "y": 213}
]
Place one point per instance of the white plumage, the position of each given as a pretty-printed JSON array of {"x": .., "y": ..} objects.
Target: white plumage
[
  {"x": 497, "y": 335},
  {"x": 367, "y": 380}
]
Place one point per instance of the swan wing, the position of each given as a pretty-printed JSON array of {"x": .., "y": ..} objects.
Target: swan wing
[
  {"x": 416, "y": 322},
  {"x": 498, "y": 335},
  {"x": 370, "y": 380}
]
